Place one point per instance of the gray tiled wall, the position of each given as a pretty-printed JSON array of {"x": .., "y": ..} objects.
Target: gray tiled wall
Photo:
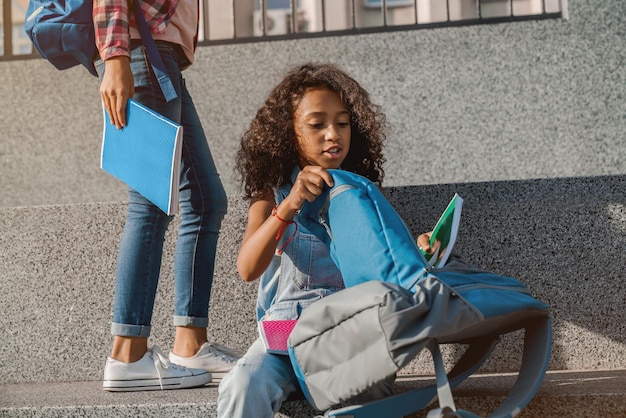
[{"x": 536, "y": 99}]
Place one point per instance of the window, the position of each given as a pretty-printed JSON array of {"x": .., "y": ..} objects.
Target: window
[
  {"x": 275, "y": 4},
  {"x": 390, "y": 3},
  {"x": 241, "y": 20},
  {"x": 12, "y": 36},
  {"x": 230, "y": 21},
  {"x": 278, "y": 20}
]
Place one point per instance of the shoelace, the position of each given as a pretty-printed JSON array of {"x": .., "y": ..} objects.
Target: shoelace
[
  {"x": 160, "y": 360},
  {"x": 224, "y": 352}
]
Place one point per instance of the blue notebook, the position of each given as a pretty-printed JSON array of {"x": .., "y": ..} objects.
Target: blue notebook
[{"x": 145, "y": 155}]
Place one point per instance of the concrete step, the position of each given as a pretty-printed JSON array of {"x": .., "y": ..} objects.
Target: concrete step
[
  {"x": 573, "y": 394},
  {"x": 564, "y": 238}
]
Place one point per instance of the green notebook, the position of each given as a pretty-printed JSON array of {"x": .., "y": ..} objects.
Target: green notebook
[{"x": 445, "y": 232}]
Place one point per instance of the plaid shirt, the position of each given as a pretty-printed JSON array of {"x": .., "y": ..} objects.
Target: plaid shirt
[{"x": 112, "y": 19}]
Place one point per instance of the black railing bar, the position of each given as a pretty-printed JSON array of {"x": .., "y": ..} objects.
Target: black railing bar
[
  {"x": 415, "y": 10},
  {"x": 293, "y": 4},
  {"x": 383, "y": 4},
  {"x": 354, "y": 31},
  {"x": 7, "y": 27},
  {"x": 448, "y": 10},
  {"x": 353, "y": 13},
  {"x": 234, "y": 14},
  {"x": 511, "y": 7},
  {"x": 205, "y": 18},
  {"x": 323, "y": 15},
  {"x": 263, "y": 17},
  {"x": 479, "y": 9},
  {"x": 380, "y": 29},
  {"x": 33, "y": 55}
]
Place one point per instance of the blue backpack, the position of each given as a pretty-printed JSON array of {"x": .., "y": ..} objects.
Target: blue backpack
[
  {"x": 347, "y": 347},
  {"x": 63, "y": 33}
]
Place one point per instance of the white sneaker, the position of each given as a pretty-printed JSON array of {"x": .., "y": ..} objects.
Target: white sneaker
[
  {"x": 212, "y": 357},
  {"x": 152, "y": 372}
]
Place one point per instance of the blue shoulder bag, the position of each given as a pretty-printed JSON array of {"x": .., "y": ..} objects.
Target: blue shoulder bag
[{"x": 63, "y": 33}]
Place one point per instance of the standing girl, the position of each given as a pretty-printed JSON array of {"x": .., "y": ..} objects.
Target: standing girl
[
  {"x": 125, "y": 72},
  {"x": 317, "y": 118}
]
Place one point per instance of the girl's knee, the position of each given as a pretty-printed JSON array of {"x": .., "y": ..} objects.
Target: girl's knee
[{"x": 237, "y": 380}]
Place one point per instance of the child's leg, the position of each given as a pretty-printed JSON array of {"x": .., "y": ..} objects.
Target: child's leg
[
  {"x": 203, "y": 204},
  {"x": 137, "y": 271},
  {"x": 129, "y": 349},
  {"x": 257, "y": 386}
]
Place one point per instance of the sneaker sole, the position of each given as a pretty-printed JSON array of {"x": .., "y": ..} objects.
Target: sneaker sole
[
  {"x": 217, "y": 376},
  {"x": 167, "y": 383}
]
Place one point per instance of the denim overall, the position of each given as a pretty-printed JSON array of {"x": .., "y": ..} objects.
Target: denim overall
[{"x": 304, "y": 273}]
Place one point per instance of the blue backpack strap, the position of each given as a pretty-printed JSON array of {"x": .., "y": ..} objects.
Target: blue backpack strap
[
  {"x": 153, "y": 55},
  {"x": 535, "y": 360}
]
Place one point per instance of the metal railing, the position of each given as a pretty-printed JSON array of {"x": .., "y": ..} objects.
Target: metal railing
[
  {"x": 483, "y": 13},
  {"x": 242, "y": 27}
]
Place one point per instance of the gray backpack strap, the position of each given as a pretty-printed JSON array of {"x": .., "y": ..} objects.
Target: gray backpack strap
[
  {"x": 446, "y": 412},
  {"x": 535, "y": 360},
  {"x": 444, "y": 391},
  {"x": 406, "y": 403},
  {"x": 537, "y": 351}
]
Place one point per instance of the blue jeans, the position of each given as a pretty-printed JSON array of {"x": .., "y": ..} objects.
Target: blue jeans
[
  {"x": 257, "y": 386},
  {"x": 203, "y": 204}
]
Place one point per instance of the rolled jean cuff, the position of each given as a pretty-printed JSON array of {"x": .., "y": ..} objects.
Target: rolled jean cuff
[
  {"x": 126, "y": 330},
  {"x": 190, "y": 321}
]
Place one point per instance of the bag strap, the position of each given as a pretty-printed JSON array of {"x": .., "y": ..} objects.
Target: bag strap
[
  {"x": 153, "y": 55},
  {"x": 535, "y": 360},
  {"x": 408, "y": 402}
]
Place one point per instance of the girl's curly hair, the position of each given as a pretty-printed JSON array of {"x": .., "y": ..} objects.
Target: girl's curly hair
[{"x": 268, "y": 154}]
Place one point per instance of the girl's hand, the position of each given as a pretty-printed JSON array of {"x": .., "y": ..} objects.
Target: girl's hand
[
  {"x": 423, "y": 242},
  {"x": 308, "y": 186},
  {"x": 116, "y": 88},
  {"x": 262, "y": 231}
]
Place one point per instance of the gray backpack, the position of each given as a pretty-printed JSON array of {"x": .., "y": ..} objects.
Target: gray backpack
[{"x": 348, "y": 347}]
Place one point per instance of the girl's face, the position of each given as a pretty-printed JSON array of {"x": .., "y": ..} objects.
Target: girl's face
[{"x": 322, "y": 125}]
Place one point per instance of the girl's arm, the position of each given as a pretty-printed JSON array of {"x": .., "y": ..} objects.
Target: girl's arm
[
  {"x": 259, "y": 240},
  {"x": 111, "y": 23},
  {"x": 111, "y": 20}
]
